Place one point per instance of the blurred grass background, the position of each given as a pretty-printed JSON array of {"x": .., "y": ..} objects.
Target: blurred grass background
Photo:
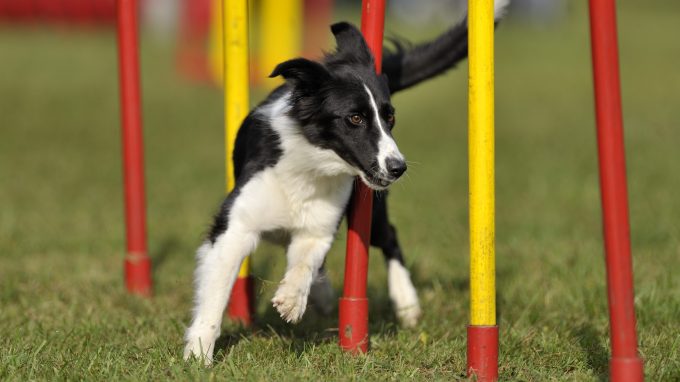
[{"x": 63, "y": 310}]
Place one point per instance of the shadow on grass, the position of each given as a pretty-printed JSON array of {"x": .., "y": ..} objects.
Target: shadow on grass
[
  {"x": 317, "y": 329},
  {"x": 314, "y": 329},
  {"x": 459, "y": 287},
  {"x": 230, "y": 338},
  {"x": 597, "y": 355},
  {"x": 158, "y": 257}
]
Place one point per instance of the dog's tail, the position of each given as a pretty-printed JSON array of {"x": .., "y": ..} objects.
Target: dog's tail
[{"x": 407, "y": 65}]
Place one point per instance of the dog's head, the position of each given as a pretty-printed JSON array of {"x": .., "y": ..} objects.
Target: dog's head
[{"x": 344, "y": 106}]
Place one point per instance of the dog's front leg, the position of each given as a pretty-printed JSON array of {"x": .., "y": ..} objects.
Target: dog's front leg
[
  {"x": 401, "y": 290},
  {"x": 305, "y": 255},
  {"x": 218, "y": 266}
]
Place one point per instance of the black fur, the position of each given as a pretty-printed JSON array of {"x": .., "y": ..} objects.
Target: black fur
[
  {"x": 407, "y": 65},
  {"x": 351, "y": 46}
]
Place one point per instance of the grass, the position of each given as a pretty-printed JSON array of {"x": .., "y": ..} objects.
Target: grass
[{"x": 63, "y": 311}]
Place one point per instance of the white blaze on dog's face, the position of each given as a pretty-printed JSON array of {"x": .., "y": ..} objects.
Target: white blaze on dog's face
[
  {"x": 391, "y": 163},
  {"x": 343, "y": 105}
]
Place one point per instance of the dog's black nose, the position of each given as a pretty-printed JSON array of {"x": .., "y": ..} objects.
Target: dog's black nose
[{"x": 395, "y": 167}]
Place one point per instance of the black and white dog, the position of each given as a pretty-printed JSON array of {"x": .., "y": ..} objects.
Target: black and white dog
[{"x": 296, "y": 158}]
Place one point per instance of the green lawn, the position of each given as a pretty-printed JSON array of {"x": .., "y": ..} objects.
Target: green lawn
[{"x": 65, "y": 315}]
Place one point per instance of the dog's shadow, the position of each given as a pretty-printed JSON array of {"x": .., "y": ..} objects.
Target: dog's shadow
[
  {"x": 314, "y": 329},
  {"x": 590, "y": 340},
  {"x": 319, "y": 329},
  {"x": 460, "y": 286}
]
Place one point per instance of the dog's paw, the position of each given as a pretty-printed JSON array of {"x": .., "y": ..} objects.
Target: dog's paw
[
  {"x": 200, "y": 347},
  {"x": 403, "y": 294},
  {"x": 290, "y": 301},
  {"x": 409, "y": 315},
  {"x": 194, "y": 350}
]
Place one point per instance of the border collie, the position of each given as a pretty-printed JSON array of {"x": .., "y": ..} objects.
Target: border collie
[{"x": 296, "y": 158}]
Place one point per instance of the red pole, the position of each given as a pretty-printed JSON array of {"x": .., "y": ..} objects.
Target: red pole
[
  {"x": 137, "y": 262},
  {"x": 241, "y": 307},
  {"x": 625, "y": 364},
  {"x": 317, "y": 16},
  {"x": 192, "y": 42},
  {"x": 354, "y": 304}
]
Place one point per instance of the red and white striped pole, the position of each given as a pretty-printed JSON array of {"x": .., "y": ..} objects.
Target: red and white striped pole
[
  {"x": 625, "y": 363},
  {"x": 353, "y": 321},
  {"x": 137, "y": 262}
]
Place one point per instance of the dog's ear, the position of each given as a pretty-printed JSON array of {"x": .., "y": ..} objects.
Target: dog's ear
[
  {"x": 351, "y": 43},
  {"x": 302, "y": 71}
]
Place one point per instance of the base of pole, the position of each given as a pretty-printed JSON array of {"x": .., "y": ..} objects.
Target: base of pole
[
  {"x": 242, "y": 301},
  {"x": 353, "y": 324},
  {"x": 482, "y": 352},
  {"x": 626, "y": 369},
  {"x": 138, "y": 274}
]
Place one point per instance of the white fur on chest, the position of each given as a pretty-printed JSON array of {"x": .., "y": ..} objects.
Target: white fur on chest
[{"x": 307, "y": 190}]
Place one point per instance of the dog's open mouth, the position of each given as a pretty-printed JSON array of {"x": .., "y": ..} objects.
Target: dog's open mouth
[{"x": 376, "y": 181}]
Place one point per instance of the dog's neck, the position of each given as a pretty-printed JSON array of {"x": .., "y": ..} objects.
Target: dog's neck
[
  {"x": 300, "y": 157},
  {"x": 306, "y": 170}
]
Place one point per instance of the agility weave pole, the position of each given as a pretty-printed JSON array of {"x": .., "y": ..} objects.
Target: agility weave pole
[
  {"x": 236, "y": 105},
  {"x": 216, "y": 55},
  {"x": 625, "y": 363},
  {"x": 280, "y": 31},
  {"x": 280, "y": 39},
  {"x": 353, "y": 307},
  {"x": 71, "y": 12},
  {"x": 317, "y": 17},
  {"x": 137, "y": 262},
  {"x": 482, "y": 333}
]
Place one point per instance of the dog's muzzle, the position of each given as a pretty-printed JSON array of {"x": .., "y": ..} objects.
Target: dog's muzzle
[
  {"x": 380, "y": 180},
  {"x": 395, "y": 167}
]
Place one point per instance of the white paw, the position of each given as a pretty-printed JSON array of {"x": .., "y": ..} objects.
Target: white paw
[
  {"x": 403, "y": 295},
  {"x": 200, "y": 347},
  {"x": 408, "y": 316},
  {"x": 290, "y": 301},
  {"x": 322, "y": 295}
]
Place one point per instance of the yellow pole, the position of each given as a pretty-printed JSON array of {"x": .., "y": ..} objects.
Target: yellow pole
[
  {"x": 481, "y": 164},
  {"x": 281, "y": 35},
  {"x": 235, "y": 83}
]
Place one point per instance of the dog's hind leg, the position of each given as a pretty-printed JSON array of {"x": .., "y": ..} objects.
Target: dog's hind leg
[
  {"x": 218, "y": 266},
  {"x": 401, "y": 290},
  {"x": 305, "y": 256}
]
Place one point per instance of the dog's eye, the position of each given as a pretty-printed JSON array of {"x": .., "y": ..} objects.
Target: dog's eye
[
  {"x": 391, "y": 120},
  {"x": 356, "y": 119}
]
